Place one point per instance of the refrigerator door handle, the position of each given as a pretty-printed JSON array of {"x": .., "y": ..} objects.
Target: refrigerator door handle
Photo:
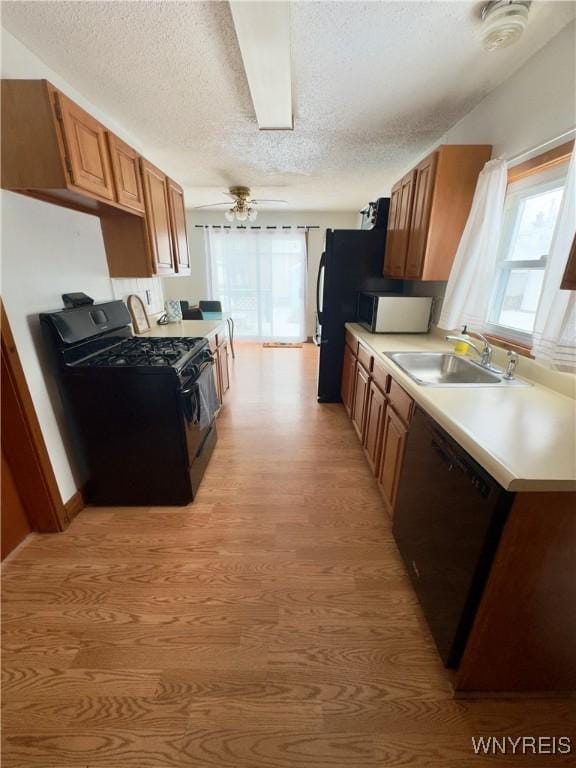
[{"x": 318, "y": 281}]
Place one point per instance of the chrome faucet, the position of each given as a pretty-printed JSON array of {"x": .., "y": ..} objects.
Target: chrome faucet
[
  {"x": 511, "y": 366},
  {"x": 485, "y": 353}
]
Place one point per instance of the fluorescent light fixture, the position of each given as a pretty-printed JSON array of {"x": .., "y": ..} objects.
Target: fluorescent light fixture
[{"x": 263, "y": 31}]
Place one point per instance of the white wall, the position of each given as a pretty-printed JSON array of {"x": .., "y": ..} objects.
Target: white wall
[
  {"x": 195, "y": 287},
  {"x": 536, "y": 104},
  {"x": 47, "y": 251}
]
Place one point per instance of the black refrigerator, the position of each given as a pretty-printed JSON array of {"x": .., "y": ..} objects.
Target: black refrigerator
[{"x": 352, "y": 261}]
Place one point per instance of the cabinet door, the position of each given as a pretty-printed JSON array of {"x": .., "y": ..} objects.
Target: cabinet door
[
  {"x": 87, "y": 156},
  {"x": 361, "y": 385},
  {"x": 217, "y": 373},
  {"x": 390, "y": 257},
  {"x": 375, "y": 409},
  {"x": 126, "y": 170},
  {"x": 397, "y": 261},
  {"x": 393, "y": 444},
  {"x": 420, "y": 219},
  {"x": 178, "y": 225},
  {"x": 347, "y": 385},
  {"x": 157, "y": 218},
  {"x": 224, "y": 370}
]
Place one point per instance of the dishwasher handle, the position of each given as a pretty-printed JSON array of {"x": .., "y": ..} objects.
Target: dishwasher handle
[{"x": 454, "y": 461}]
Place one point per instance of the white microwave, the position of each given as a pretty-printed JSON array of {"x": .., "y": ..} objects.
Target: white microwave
[{"x": 392, "y": 313}]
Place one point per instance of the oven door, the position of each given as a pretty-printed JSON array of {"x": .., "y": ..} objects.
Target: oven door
[{"x": 196, "y": 432}]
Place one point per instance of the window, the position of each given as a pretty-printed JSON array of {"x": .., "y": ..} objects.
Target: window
[
  {"x": 530, "y": 214},
  {"x": 260, "y": 278}
]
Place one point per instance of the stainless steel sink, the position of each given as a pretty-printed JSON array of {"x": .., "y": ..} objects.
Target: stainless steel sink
[{"x": 440, "y": 369}]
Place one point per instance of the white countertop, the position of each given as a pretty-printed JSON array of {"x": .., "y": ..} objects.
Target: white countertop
[
  {"x": 200, "y": 328},
  {"x": 525, "y": 437}
]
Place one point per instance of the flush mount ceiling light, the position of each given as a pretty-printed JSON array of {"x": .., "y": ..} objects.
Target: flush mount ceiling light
[
  {"x": 243, "y": 208},
  {"x": 503, "y": 22},
  {"x": 263, "y": 32}
]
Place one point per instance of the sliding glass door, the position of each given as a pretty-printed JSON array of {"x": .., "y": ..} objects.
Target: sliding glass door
[{"x": 260, "y": 278}]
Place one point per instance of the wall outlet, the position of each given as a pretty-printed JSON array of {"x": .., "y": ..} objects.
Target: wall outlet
[{"x": 148, "y": 297}]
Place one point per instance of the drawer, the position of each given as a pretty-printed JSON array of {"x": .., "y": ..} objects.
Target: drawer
[
  {"x": 380, "y": 376},
  {"x": 352, "y": 342},
  {"x": 365, "y": 357},
  {"x": 400, "y": 401}
]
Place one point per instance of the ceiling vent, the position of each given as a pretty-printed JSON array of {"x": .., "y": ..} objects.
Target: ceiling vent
[{"x": 503, "y": 22}]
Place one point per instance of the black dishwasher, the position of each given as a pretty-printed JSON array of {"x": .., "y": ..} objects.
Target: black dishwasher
[{"x": 447, "y": 523}]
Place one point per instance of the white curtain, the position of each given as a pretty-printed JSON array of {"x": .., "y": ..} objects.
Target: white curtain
[
  {"x": 554, "y": 336},
  {"x": 260, "y": 278},
  {"x": 472, "y": 275}
]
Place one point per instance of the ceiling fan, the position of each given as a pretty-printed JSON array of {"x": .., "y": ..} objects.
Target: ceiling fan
[{"x": 243, "y": 208}]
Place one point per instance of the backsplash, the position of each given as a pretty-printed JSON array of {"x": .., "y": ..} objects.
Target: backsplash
[
  {"x": 148, "y": 288},
  {"x": 434, "y": 288}
]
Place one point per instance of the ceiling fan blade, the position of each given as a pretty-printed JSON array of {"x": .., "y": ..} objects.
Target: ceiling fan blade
[
  {"x": 280, "y": 202},
  {"x": 210, "y": 205}
]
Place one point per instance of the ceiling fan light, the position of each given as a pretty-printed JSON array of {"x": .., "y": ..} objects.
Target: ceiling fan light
[
  {"x": 241, "y": 215},
  {"x": 229, "y": 214},
  {"x": 252, "y": 214}
]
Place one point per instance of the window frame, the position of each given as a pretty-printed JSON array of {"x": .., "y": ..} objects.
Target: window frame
[{"x": 501, "y": 335}]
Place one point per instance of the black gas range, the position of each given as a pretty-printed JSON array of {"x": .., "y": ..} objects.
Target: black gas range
[{"x": 141, "y": 409}]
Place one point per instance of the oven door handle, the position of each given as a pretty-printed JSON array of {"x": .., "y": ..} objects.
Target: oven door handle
[{"x": 189, "y": 390}]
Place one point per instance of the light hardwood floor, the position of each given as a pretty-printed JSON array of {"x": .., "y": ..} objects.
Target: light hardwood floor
[{"x": 268, "y": 625}]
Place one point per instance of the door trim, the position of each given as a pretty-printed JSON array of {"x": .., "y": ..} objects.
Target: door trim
[{"x": 31, "y": 467}]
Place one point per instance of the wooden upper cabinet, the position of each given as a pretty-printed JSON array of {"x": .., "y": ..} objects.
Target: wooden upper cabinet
[
  {"x": 126, "y": 171},
  {"x": 420, "y": 216},
  {"x": 86, "y": 147},
  {"x": 399, "y": 226},
  {"x": 54, "y": 150},
  {"x": 178, "y": 228},
  {"x": 428, "y": 212},
  {"x": 157, "y": 218},
  {"x": 390, "y": 257}
]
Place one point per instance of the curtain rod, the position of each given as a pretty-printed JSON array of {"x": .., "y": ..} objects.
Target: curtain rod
[
  {"x": 229, "y": 226},
  {"x": 566, "y": 135}
]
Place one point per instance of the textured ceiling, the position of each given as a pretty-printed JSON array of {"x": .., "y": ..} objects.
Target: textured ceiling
[{"x": 374, "y": 85}]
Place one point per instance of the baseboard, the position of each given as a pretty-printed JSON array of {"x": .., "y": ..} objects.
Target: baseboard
[{"x": 74, "y": 505}]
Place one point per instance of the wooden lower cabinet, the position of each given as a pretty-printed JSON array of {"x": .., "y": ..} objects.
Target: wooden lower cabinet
[
  {"x": 347, "y": 385},
  {"x": 224, "y": 371},
  {"x": 216, "y": 372},
  {"x": 374, "y": 429},
  {"x": 219, "y": 349},
  {"x": 361, "y": 386},
  {"x": 380, "y": 420},
  {"x": 393, "y": 445}
]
